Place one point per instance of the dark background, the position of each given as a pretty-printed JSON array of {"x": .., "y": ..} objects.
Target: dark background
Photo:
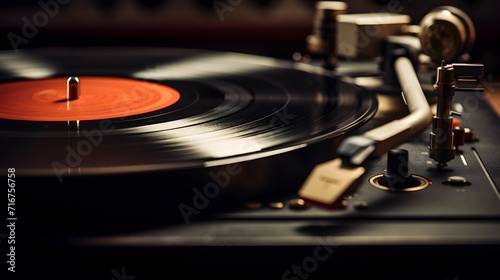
[{"x": 271, "y": 28}]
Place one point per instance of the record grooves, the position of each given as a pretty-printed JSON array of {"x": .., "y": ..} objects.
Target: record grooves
[{"x": 232, "y": 107}]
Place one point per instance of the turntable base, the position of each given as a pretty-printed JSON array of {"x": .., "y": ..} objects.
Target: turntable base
[{"x": 155, "y": 198}]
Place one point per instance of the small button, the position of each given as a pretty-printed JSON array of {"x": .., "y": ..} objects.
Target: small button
[
  {"x": 470, "y": 134},
  {"x": 459, "y": 136},
  {"x": 276, "y": 205},
  {"x": 457, "y": 181},
  {"x": 361, "y": 204},
  {"x": 298, "y": 203},
  {"x": 343, "y": 204},
  {"x": 253, "y": 205}
]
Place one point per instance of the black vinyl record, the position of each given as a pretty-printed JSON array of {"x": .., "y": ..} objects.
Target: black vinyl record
[{"x": 232, "y": 108}]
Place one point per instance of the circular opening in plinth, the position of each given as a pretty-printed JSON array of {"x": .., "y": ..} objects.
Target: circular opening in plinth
[{"x": 417, "y": 183}]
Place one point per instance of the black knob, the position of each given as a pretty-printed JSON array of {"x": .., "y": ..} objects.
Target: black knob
[
  {"x": 397, "y": 164},
  {"x": 396, "y": 175}
]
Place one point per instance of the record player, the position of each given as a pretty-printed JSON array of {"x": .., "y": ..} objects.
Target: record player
[{"x": 368, "y": 151}]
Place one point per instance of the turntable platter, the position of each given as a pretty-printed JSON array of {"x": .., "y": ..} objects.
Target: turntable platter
[{"x": 201, "y": 108}]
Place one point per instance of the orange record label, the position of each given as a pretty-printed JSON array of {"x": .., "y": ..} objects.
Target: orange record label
[{"x": 99, "y": 98}]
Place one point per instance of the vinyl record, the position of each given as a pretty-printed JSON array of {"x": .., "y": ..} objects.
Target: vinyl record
[{"x": 221, "y": 108}]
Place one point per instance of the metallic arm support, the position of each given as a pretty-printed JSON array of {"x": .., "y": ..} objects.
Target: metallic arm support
[
  {"x": 395, "y": 132},
  {"x": 328, "y": 181}
]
